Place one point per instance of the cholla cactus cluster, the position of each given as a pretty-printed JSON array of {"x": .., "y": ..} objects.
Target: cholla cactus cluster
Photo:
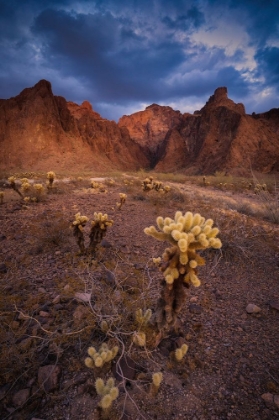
[
  {"x": 259, "y": 188},
  {"x": 99, "y": 358},
  {"x": 187, "y": 234},
  {"x": 157, "y": 379},
  {"x": 50, "y": 176},
  {"x": 149, "y": 184},
  {"x": 180, "y": 352},
  {"x": 78, "y": 225},
  {"x": 109, "y": 392},
  {"x": 139, "y": 338},
  {"x": 143, "y": 318},
  {"x": 98, "y": 230},
  {"x": 122, "y": 197}
]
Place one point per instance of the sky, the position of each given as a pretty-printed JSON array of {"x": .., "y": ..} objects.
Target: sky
[{"x": 124, "y": 55}]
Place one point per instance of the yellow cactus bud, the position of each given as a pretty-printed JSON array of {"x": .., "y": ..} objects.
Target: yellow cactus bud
[
  {"x": 184, "y": 349},
  {"x": 188, "y": 220},
  {"x": 89, "y": 362},
  {"x": 99, "y": 362},
  {"x": 193, "y": 263},
  {"x": 99, "y": 385},
  {"x": 183, "y": 245},
  {"x": 106, "y": 402},
  {"x": 157, "y": 379},
  {"x": 139, "y": 338},
  {"x": 114, "y": 392},
  {"x": 178, "y": 355},
  {"x": 91, "y": 351}
]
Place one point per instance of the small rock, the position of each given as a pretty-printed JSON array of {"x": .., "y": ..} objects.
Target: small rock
[
  {"x": 44, "y": 314},
  {"x": 48, "y": 377},
  {"x": 3, "y": 268},
  {"x": 56, "y": 300},
  {"x": 195, "y": 309},
  {"x": 274, "y": 304},
  {"x": 42, "y": 290},
  {"x": 84, "y": 297},
  {"x": 21, "y": 397},
  {"x": 105, "y": 244},
  {"x": 251, "y": 308},
  {"x": 125, "y": 368},
  {"x": 271, "y": 400}
]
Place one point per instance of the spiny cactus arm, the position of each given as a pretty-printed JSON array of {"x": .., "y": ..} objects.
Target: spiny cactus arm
[
  {"x": 157, "y": 378},
  {"x": 151, "y": 231},
  {"x": 100, "y": 386}
]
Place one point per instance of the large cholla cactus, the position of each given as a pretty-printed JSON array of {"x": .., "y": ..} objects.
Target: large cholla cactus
[
  {"x": 78, "y": 225},
  {"x": 187, "y": 234},
  {"x": 98, "y": 230}
]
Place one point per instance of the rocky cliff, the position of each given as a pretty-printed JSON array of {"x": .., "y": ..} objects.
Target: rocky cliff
[
  {"x": 220, "y": 136},
  {"x": 40, "y": 131}
]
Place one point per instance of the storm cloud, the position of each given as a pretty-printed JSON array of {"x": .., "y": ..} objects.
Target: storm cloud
[{"x": 124, "y": 55}]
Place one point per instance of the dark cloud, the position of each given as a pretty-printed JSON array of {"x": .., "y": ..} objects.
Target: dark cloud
[{"x": 124, "y": 54}]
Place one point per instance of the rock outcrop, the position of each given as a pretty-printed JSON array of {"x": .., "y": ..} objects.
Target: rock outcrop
[
  {"x": 219, "y": 137},
  {"x": 40, "y": 131}
]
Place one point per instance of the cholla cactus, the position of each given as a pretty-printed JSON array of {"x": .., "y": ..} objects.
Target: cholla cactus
[
  {"x": 180, "y": 352},
  {"x": 147, "y": 184},
  {"x": 12, "y": 181},
  {"x": 95, "y": 185},
  {"x": 50, "y": 177},
  {"x": 139, "y": 338},
  {"x": 156, "y": 382},
  {"x": 143, "y": 318},
  {"x": 25, "y": 186},
  {"x": 167, "y": 188},
  {"x": 109, "y": 392},
  {"x": 97, "y": 359},
  {"x": 98, "y": 230},
  {"x": 122, "y": 197},
  {"x": 78, "y": 225},
  {"x": 39, "y": 190},
  {"x": 157, "y": 185},
  {"x": 187, "y": 234},
  {"x": 1, "y": 197}
]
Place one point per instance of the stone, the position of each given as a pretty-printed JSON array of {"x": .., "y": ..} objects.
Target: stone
[
  {"x": 251, "y": 308},
  {"x": 271, "y": 400},
  {"x": 20, "y": 397},
  {"x": 48, "y": 377},
  {"x": 3, "y": 268},
  {"x": 84, "y": 297},
  {"x": 195, "y": 309}
]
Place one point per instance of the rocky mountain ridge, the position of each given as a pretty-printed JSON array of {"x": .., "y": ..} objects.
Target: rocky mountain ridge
[{"x": 41, "y": 131}]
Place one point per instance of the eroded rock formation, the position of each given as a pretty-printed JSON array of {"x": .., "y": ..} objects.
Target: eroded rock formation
[{"x": 40, "y": 131}]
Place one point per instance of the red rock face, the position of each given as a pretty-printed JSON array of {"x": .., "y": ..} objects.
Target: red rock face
[
  {"x": 219, "y": 137},
  {"x": 40, "y": 131}
]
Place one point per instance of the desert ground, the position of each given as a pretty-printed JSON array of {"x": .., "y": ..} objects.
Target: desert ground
[{"x": 56, "y": 302}]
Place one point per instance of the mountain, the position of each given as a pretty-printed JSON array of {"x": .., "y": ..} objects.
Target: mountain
[
  {"x": 220, "y": 136},
  {"x": 41, "y": 131}
]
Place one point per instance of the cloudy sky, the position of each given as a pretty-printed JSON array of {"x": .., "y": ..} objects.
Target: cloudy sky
[{"x": 123, "y": 55}]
